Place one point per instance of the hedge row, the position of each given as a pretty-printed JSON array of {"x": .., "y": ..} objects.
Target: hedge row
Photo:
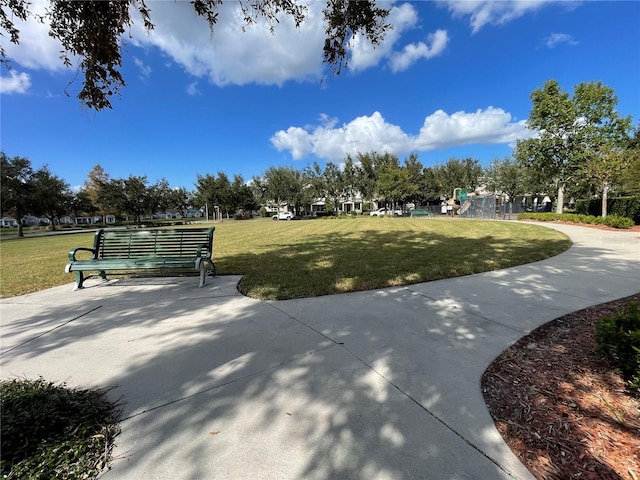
[
  {"x": 614, "y": 221},
  {"x": 623, "y": 206}
]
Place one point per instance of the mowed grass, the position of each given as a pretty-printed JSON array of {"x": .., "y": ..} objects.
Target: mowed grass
[{"x": 283, "y": 260}]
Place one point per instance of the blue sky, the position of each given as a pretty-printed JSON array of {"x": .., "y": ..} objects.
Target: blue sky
[{"x": 452, "y": 79}]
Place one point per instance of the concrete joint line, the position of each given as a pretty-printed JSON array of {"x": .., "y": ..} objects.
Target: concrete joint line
[
  {"x": 220, "y": 385},
  {"x": 433, "y": 415},
  {"x": 405, "y": 394},
  {"x": 51, "y": 330}
]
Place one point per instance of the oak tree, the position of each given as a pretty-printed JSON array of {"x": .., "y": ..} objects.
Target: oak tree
[
  {"x": 16, "y": 187},
  {"x": 570, "y": 131}
]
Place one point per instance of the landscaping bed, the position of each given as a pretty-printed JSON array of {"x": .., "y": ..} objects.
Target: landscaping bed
[{"x": 561, "y": 407}]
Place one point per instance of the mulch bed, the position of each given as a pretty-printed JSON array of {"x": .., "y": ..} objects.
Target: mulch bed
[{"x": 561, "y": 407}]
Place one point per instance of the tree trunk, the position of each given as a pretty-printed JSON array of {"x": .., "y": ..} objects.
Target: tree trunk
[
  {"x": 560, "y": 199},
  {"x": 19, "y": 219},
  {"x": 605, "y": 192}
]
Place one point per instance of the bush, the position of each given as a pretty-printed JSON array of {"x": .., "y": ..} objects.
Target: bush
[
  {"x": 618, "y": 338},
  {"x": 582, "y": 207},
  {"x": 617, "y": 221},
  {"x": 621, "y": 206},
  {"x": 614, "y": 221},
  {"x": 50, "y": 431}
]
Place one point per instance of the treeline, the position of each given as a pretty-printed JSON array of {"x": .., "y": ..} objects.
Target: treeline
[{"x": 583, "y": 150}]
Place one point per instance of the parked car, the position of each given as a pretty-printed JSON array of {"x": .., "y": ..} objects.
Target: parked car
[
  {"x": 383, "y": 211},
  {"x": 282, "y": 216}
]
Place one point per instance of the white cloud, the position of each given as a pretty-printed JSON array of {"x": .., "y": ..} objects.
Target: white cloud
[
  {"x": 363, "y": 55},
  {"x": 415, "y": 51},
  {"x": 15, "y": 83},
  {"x": 192, "y": 89},
  {"x": 236, "y": 57},
  {"x": 556, "y": 39},
  {"x": 234, "y": 54},
  {"x": 36, "y": 50},
  {"x": 372, "y": 133},
  {"x": 489, "y": 126},
  {"x": 491, "y": 12},
  {"x": 295, "y": 139},
  {"x": 231, "y": 55},
  {"x": 145, "y": 70}
]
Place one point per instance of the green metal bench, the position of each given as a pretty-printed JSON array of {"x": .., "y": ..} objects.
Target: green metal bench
[
  {"x": 160, "y": 250},
  {"x": 419, "y": 212}
]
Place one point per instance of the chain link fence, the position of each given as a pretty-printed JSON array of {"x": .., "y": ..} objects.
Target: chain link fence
[{"x": 490, "y": 207}]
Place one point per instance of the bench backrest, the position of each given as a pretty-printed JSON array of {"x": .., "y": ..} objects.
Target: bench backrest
[{"x": 166, "y": 242}]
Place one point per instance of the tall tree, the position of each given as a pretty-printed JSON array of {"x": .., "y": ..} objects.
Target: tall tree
[
  {"x": 630, "y": 178},
  {"x": 314, "y": 181},
  {"x": 51, "y": 196},
  {"x": 127, "y": 196},
  {"x": 259, "y": 188},
  {"x": 81, "y": 204},
  {"x": 415, "y": 177},
  {"x": 569, "y": 130},
  {"x": 392, "y": 184},
  {"x": 366, "y": 183},
  {"x": 458, "y": 173},
  {"x": 605, "y": 167},
  {"x": 16, "y": 187},
  {"x": 228, "y": 196},
  {"x": 433, "y": 183},
  {"x": 204, "y": 195},
  {"x": 159, "y": 196},
  {"x": 333, "y": 184},
  {"x": 350, "y": 174},
  {"x": 243, "y": 198},
  {"x": 506, "y": 176},
  {"x": 179, "y": 199},
  {"x": 223, "y": 194},
  {"x": 136, "y": 198},
  {"x": 93, "y": 31},
  {"x": 96, "y": 180},
  {"x": 284, "y": 185}
]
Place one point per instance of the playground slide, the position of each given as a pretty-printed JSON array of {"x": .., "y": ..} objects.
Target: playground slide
[{"x": 465, "y": 206}]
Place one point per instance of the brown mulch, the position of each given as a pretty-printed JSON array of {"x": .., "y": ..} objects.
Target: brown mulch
[{"x": 561, "y": 407}]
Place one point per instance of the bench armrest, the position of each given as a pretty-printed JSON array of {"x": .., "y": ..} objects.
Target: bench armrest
[{"x": 73, "y": 251}]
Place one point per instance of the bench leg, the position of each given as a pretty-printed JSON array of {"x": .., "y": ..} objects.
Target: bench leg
[
  {"x": 203, "y": 272},
  {"x": 79, "y": 281}
]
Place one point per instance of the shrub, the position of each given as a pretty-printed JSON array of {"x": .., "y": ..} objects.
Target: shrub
[
  {"x": 582, "y": 207},
  {"x": 621, "y": 206},
  {"x": 618, "y": 338},
  {"x": 614, "y": 221},
  {"x": 50, "y": 431}
]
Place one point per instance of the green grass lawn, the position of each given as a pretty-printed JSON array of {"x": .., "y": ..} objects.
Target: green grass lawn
[{"x": 281, "y": 260}]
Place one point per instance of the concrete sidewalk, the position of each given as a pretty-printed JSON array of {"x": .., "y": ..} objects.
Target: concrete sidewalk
[{"x": 381, "y": 384}]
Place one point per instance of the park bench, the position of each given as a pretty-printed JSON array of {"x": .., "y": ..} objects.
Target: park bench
[
  {"x": 153, "y": 250},
  {"x": 420, "y": 212}
]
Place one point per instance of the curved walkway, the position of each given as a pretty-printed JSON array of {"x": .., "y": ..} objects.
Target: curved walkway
[{"x": 381, "y": 384}]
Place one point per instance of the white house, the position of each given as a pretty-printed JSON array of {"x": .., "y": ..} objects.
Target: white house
[{"x": 7, "y": 222}]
